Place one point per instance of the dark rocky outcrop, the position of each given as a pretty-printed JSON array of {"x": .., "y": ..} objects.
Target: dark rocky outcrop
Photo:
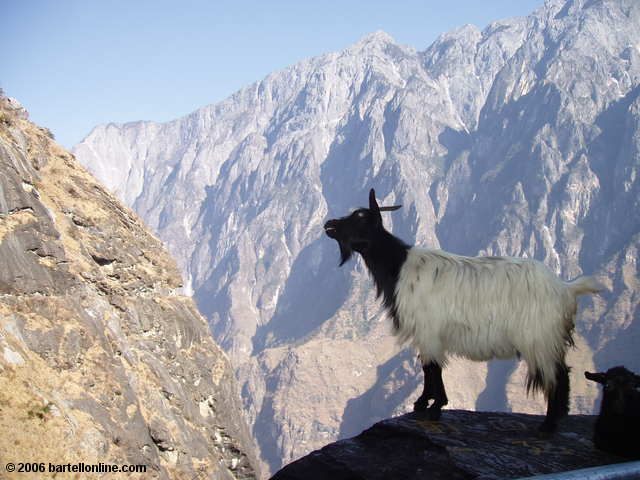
[
  {"x": 101, "y": 358},
  {"x": 464, "y": 445}
]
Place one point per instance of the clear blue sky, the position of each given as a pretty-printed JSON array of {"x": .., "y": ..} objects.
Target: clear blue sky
[{"x": 77, "y": 63}]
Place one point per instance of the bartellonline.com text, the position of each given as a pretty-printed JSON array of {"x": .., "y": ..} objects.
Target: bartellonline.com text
[{"x": 48, "y": 467}]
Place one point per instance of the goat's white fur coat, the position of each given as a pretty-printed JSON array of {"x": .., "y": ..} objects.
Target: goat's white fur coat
[{"x": 487, "y": 307}]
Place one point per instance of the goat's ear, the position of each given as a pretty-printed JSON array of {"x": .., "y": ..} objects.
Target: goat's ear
[
  {"x": 373, "y": 205},
  {"x": 596, "y": 377}
]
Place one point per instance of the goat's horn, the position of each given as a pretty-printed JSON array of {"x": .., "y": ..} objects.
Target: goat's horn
[{"x": 390, "y": 209}]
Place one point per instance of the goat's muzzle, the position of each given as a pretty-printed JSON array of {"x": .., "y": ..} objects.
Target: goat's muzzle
[{"x": 330, "y": 228}]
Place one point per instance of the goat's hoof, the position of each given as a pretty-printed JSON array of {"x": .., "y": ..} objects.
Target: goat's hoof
[
  {"x": 420, "y": 406},
  {"x": 548, "y": 428},
  {"x": 434, "y": 413}
]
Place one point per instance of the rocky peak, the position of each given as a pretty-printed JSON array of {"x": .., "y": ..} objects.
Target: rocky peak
[
  {"x": 13, "y": 107},
  {"x": 373, "y": 41}
]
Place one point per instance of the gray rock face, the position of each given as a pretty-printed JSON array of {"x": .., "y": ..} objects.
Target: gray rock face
[
  {"x": 101, "y": 360},
  {"x": 522, "y": 139}
]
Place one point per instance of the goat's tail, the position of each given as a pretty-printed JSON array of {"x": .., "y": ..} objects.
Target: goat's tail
[{"x": 585, "y": 285}]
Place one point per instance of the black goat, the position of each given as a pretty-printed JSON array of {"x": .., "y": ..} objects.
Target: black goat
[{"x": 616, "y": 430}]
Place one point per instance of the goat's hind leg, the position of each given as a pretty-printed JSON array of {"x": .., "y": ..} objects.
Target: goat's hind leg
[
  {"x": 557, "y": 400},
  {"x": 433, "y": 390},
  {"x": 422, "y": 403}
]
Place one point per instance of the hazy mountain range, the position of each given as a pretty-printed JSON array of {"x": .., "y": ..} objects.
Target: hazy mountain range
[{"x": 520, "y": 139}]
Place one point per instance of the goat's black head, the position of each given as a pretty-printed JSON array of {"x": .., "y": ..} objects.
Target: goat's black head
[
  {"x": 615, "y": 377},
  {"x": 620, "y": 385},
  {"x": 356, "y": 231}
]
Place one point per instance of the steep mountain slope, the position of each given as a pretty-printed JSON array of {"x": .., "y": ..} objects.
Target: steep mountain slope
[
  {"x": 101, "y": 361},
  {"x": 521, "y": 139}
]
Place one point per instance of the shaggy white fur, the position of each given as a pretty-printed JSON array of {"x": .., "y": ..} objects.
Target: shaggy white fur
[{"x": 487, "y": 307}]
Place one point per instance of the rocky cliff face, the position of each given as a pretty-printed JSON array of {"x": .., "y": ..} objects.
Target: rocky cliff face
[
  {"x": 101, "y": 360},
  {"x": 522, "y": 139}
]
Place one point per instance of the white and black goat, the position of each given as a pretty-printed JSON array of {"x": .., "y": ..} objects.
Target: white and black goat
[
  {"x": 478, "y": 308},
  {"x": 616, "y": 429}
]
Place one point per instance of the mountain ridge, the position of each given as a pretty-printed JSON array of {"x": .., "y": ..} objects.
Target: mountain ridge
[{"x": 496, "y": 142}]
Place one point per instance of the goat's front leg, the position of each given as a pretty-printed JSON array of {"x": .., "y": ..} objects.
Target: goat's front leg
[
  {"x": 433, "y": 390},
  {"x": 557, "y": 400}
]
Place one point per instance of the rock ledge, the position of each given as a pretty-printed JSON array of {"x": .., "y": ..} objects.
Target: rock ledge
[{"x": 463, "y": 445}]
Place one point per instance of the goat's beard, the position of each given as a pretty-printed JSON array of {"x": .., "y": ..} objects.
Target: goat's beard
[{"x": 345, "y": 251}]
